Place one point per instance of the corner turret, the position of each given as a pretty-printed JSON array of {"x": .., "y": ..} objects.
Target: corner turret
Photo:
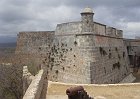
[{"x": 87, "y": 20}]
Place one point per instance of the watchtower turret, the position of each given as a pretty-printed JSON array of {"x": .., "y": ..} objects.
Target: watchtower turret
[{"x": 87, "y": 20}]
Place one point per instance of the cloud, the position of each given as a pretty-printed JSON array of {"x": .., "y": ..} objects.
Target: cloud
[{"x": 32, "y": 15}]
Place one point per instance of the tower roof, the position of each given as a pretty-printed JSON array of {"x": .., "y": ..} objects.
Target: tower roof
[{"x": 87, "y": 10}]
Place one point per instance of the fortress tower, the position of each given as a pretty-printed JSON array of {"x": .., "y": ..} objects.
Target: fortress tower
[
  {"x": 87, "y": 20},
  {"x": 79, "y": 52}
]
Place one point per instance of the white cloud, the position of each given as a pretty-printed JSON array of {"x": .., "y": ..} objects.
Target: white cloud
[
  {"x": 133, "y": 26},
  {"x": 32, "y": 15},
  {"x": 133, "y": 29}
]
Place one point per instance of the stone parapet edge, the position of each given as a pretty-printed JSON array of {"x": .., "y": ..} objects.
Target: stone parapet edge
[{"x": 35, "y": 88}]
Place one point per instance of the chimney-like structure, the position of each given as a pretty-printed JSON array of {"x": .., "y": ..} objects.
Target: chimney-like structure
[{"x": 87, "y": 20}]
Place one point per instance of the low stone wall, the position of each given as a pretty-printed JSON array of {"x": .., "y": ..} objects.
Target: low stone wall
[
  {"x": 98, "y": 91},
  {"x": 27, "y": 78},
  {"x": 36, "y": 86}
]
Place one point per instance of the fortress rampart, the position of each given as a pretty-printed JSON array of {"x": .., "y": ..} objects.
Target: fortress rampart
[{"x": 78, "y": 52}]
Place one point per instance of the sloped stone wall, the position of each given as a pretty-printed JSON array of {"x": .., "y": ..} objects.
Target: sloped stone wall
[
  {"x": 33, "y": 48},
  {"x": 67, "y": 62},
  {"x": 112, "y": 64}
]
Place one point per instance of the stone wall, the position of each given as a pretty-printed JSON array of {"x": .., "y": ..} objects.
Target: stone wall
[
  {"x": 68, "y": 62},
  {"x": 35, "y": 88},
  {"x": 99, "y": 28},
  {"x": 34, "y": 48},
  {"x": 78, "y": 52},
  {"x": 77, "y": 58},
  {"x": 133, "y": 48},
  {"x": 34, "y": 42},
  {"x": 27, "y": 78},
  {"x": 88, "y": 59},
  {"x": 68, "y": 28},
  {"x": 111, "y": 64},
  {"x": 113, "y": 32}
]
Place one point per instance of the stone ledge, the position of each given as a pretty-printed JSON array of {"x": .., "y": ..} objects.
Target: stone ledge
[{"x": 36, "y": 86}]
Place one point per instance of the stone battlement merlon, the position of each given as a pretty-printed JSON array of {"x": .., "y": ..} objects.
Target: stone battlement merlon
[
  {"x": 68, "y": 28},
  {"x": 111, "y": 31}
]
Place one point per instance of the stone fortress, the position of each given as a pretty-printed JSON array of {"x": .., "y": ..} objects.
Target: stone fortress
[{"x": 81, "y": 52}]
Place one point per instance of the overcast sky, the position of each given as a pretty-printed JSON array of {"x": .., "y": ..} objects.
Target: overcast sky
[{"x": 43, "y": 15}]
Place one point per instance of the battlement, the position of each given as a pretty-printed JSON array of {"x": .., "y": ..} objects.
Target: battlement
[
  {"x": 74, "y": 28},
  {"x": 69, "y": 28},
  {"x": 113, "y": 32}
]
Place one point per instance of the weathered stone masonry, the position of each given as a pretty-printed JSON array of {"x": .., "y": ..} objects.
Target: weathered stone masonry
[
  {"x": 79, "y": 52},
  {"x": 33, "y": 47}
]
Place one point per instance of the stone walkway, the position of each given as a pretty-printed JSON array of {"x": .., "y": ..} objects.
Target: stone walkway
[{"x": 99, "y": 91}]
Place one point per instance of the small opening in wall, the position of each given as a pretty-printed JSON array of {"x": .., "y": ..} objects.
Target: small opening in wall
[
  {"x": 104, "y": 70},
  {"x": 52, "y": 59},
  {"x": 116, "y": 65},
  {"x": 109, "y": 55},
  {"x": 119, "y": 56},
  {"x": 39, "y": 48},
  {"x": 116, "y": 48},
  {"x": 56, "y": 71},
  {"x": 123, "y": 54},
  {"x": 75, "y": 43},
  {"x": 70, "y": 49},
  {"x": 43, "y": 61},
  {"x": 102, "y": 51},
  {"x": 87, "y": 21},
  {"x": 51, "y": 67},
  {"x": 66, "y": 50},
  {"x": 63, "y": 68},
  {"x": 61, "y": 55},
  {"x": 62, "y": 44},
  {"x": 124, "y": 74}
]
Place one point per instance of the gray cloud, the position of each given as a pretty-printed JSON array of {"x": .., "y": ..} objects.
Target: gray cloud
[{"x": 32, "y": 15}]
